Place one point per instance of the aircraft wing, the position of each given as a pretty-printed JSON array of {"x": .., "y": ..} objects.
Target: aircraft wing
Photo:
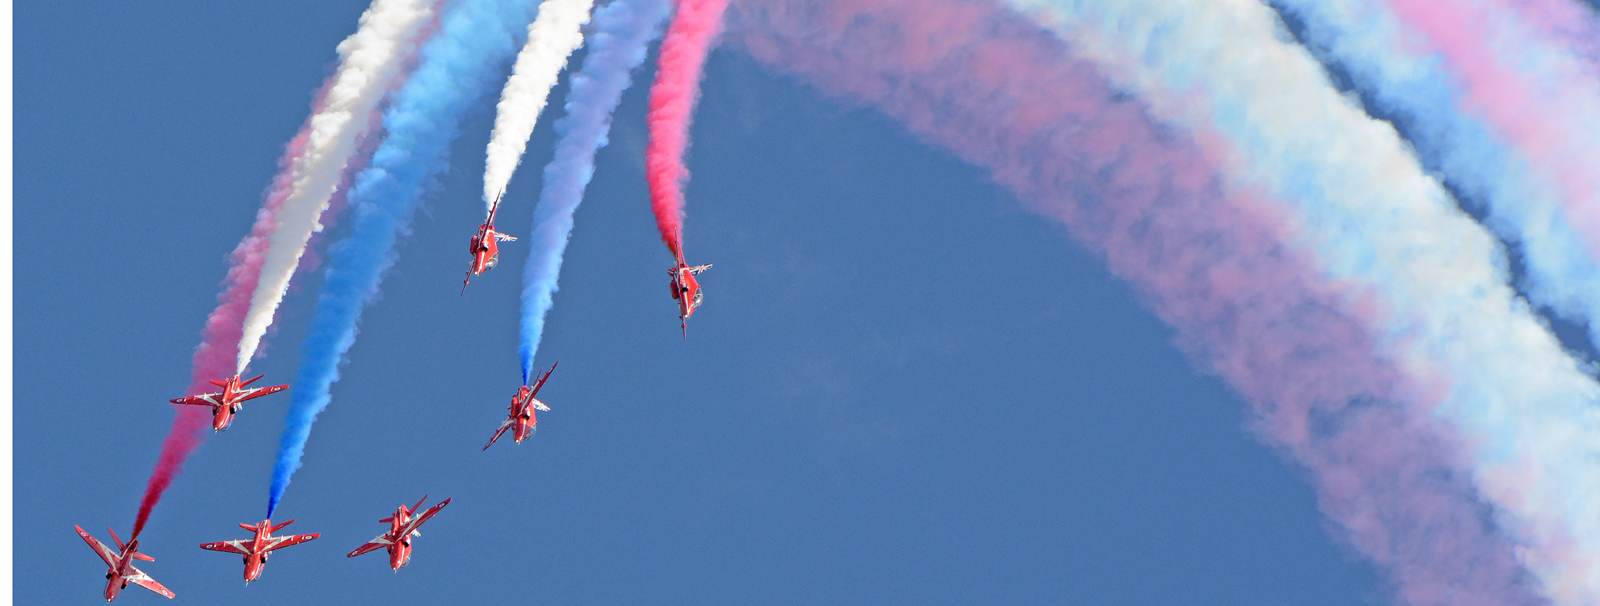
[
  {"x": 208, "y": 399},
  {"x": 417, "y": 521},
  {"x": 228, "y": 546},
  {"x": 251, "y": 394},
  {"x": 287, "y": 540},
  {"x": 373, "y": 545},
  {"x": 143, "y": 580},
  {"x": 100, "y": 548},
  {"x": 542, "y": 378},
  {"x": 503, "y": 427}
]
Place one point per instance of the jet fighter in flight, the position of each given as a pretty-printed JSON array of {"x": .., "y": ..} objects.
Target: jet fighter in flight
[
  {"x": 228, "y": 402},
  {"x": 402, "y": 528},
  {"x": 522, "y": 420},
  {"x": 686, "y": 290},
  {"x": 121, "y": 570},
  {"x": 485, "y": 247},
  {"x": 255, "y": 548}
]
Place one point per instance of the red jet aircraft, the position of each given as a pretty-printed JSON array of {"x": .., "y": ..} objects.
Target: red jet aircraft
[
  {"x": 686, "y": 290},
  {"x": 402, "y": 527},
  {"x": 254, "y": 549},
  {"x": 122, "y": 571},
  {"x": 228, "y": 401},
  {"x": 522, "y": 420},
  {"x": 485, "y": 246}
]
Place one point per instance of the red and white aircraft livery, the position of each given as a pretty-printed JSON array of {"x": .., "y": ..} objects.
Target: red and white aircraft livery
[
  {"x": 121, "y": 570},
  {"x": 255, "y": 548},
  {"x": 522, "y": 420},
  {"x": 402, "y": 527},
  {"x": 485, "y": 247},
  {"x": 686, "y": 290},
  {"x": 226, "y": 403}
]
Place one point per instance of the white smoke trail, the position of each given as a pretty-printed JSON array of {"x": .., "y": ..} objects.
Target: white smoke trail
[
  {"x": 1376, "y": 220},
  {"x": 369, "y": 61},
  {"x": 552, "y": 37}
]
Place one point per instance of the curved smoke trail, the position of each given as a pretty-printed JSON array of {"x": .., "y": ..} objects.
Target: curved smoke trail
[
  {"x": 553, "y": 35},
  {"x": 1230, "y": 271},
  {"x": 369, "y": 60},
  {"x": 1533, "y": 92},
  {"x": 456, "y": 67},
  {"x": 1401, "y": 78},
  {"x": 1522, "y": 404},
  {"x": 679, "y": 67},
  {"x": 623, "y": 31}
]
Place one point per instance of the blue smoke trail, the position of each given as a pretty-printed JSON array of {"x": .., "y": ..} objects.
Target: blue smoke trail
[
  {"x": 456, "y": 67},
  {"x": 623, "y": 32},
  {"x": 1437, "y": 280},
  {"x": 1369, "y": 44}
]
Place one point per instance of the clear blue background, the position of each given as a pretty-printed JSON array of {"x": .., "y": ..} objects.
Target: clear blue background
[{"x": 902, "y": 389}]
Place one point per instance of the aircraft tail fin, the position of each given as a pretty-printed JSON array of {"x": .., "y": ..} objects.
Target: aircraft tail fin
[{"x": 117, "y": 539}]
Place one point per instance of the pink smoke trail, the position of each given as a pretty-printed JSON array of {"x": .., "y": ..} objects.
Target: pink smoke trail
[
  {"x": 1003, "y": 95},
  {"x": 1526, "y": 87},
  {"x": 217, "y": 354},
  {"x": 219, "y": 340},
  {"x": 679, "y": 67},
  {"x": 218, "y": 351},
  {"x": 1569, "y": 21}
]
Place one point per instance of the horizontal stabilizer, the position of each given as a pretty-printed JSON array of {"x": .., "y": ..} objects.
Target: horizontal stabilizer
[{"x": 278, "y": 527}]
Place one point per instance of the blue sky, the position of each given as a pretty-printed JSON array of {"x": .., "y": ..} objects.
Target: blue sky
[{"x": 902, "y": 389}]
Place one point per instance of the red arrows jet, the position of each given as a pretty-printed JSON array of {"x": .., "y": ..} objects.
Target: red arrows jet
[
  {"x": 228, "y": 401},
  {"x": 686, "y": 290},
  {"x": 522, "y": 420},
  {"x": 254, "y": 549},
  {"x": 122, "y": 571},
  {"x": 485, "y": 246},
  {"x": 402, "y": 527}
]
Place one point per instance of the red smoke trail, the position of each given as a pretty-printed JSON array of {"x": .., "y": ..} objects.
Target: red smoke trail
[
  {"x": 218, "y": 352},
  {"x": 1006, "y": 96},
  {"x": 678, "y": 69}
]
